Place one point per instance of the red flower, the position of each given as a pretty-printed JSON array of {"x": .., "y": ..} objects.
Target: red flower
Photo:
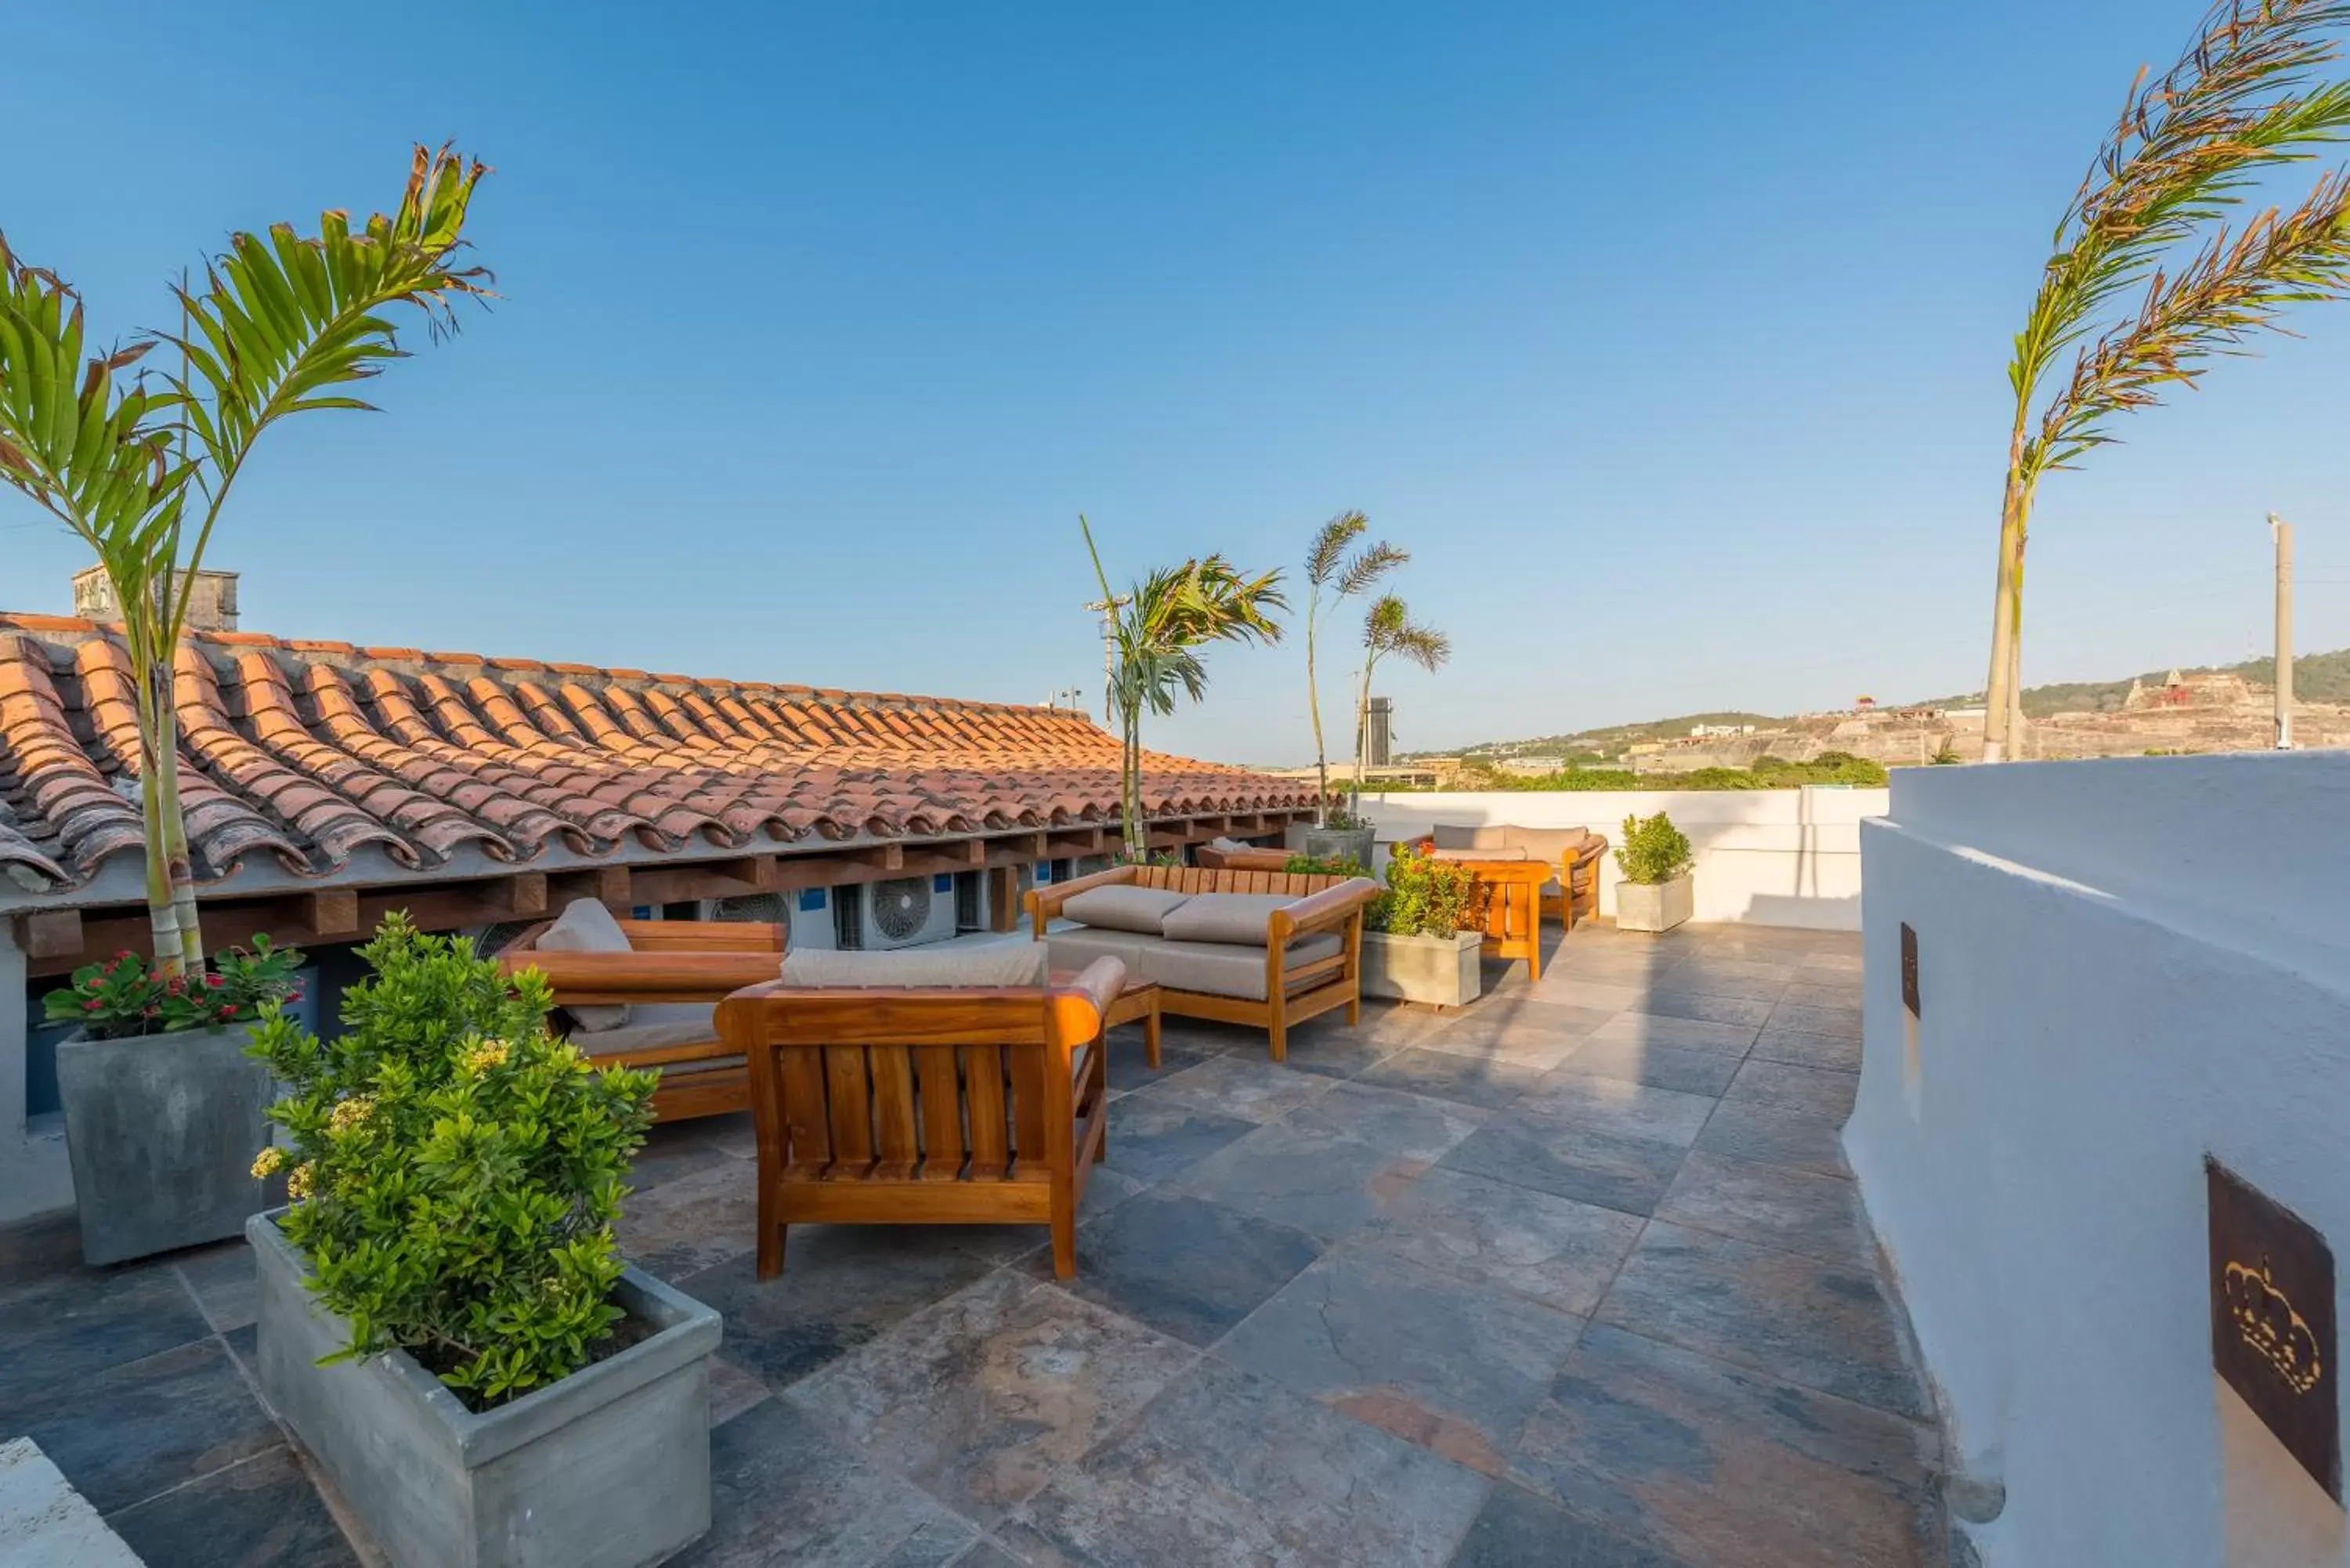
[
  {"x": 152, "y": 1012},
  {"x": 212, "y": 981},
  {"x": 92, "y": 1005},
  {"x": 294, "y": 994},
  {"x": 227, "y": 1011}
]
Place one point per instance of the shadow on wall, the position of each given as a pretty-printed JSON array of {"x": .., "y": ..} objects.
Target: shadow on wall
[{"x": 1815, "y": 914}]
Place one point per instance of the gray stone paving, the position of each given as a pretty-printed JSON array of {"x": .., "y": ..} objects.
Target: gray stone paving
[{"x": 1576, "y": 1276}]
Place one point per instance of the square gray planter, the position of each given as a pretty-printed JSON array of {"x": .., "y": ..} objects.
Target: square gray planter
[
  {"x": 161, "y": 1132},
  {"x": 1442, "y": 971},
  {"x": 608, "y": 1468},
  {"x": 1654, "y": 906}
]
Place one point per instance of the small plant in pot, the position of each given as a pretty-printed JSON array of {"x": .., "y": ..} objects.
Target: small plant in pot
[
  {"x": 1420, "y": 937},
  {"x": 445, "y": 1320},
  {"x": 162, "y": 1108},
  {"x": 1658, "y": 891}
]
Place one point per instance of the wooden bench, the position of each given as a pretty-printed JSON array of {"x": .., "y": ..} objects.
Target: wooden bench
[{"x": 925, "y": 1105}]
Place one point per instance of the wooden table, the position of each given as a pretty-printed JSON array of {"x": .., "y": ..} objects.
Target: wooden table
[{"x": 1512, "y": 906}]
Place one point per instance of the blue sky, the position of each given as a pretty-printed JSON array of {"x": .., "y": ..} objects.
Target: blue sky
[{"x": 1670, "y": 340}]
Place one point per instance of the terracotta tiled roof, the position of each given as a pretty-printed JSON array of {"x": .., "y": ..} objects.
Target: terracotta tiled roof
[{"x": 308, "y": 753}]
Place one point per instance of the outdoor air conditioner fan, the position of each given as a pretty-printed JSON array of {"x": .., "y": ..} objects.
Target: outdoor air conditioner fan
[
  {"x": 900, "y": 907},
  {"x": 758, "y": 909}
]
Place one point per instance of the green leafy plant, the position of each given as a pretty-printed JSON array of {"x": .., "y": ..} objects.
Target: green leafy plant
[
  {"x": 1946, "y": 755},
  {"x": 128, "y": 996},
  {"x": 1324, "y": 866},
  {"x": 2148, "y": 283},
  {"x": 1339, "y": 817},
  {"x": 1424, "y": 897},
  {"x": 1653, "y": 851},
  {"x": 280, "y": 324},
  {"x": 456, "y": 1169}
]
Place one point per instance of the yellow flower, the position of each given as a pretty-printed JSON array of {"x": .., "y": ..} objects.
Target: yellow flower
[
  {"x": 351, "y": 1113},
  {"x": 297, "y": 1186},
  {"x": 489, "y": 1053},
  {"x": 268, "y": 1162}
]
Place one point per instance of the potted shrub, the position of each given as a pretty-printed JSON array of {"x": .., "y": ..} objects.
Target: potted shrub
[
  {"x": 1657, "y": 892},
  {"x": 162, "y": 1107},
  {"x": 1339, "y": 835},
  {"x": 445, "y": 1321},
  {"x": 1414, "y": 944}
]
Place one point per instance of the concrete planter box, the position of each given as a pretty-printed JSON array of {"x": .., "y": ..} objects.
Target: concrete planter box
[
  {"x": 1340, "y": 844},
  {"x": 1439, "y": 970},
  {"x": 608, "y": 1468},
  {"x": 161, "y": 1132},
  {"x": 1654, "y": 906}
]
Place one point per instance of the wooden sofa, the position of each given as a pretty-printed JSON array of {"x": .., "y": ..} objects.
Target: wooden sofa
[
  {"x": 925, "y": 1105},
  {"x": 1311, "y": 946},
  {"x": 672, "y": 982},
  {"x": 1252, "y": 858}
]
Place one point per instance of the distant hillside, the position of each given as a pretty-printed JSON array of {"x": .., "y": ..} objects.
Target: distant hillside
[{"x": 2317, "y": 677}]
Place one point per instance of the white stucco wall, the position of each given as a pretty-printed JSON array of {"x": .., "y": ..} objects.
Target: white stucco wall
[
  {"x": 1774, "y": 858},
  {"x": 2124, "y": 965},
  {"x": 34, "y": 1175}
]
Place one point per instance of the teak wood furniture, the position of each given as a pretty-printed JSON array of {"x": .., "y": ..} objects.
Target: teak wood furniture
[
  {"x": 1510, "y": 892},
  {"x": 1573, "y": 854},
  {"x": 925, "y": 1105},
  {"x": 698, "y": 961},
  {"x": 1211, "y": 858},
  {"x": 1292, "y": 992},
  {"x": 1138, "y": 1003}
]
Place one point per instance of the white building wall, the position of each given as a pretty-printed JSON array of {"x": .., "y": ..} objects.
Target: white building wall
[
  {"x": 1774, "y": 858},
  {"x": 34, "y": 1175},
  {"x": 2124, "y": 966}
]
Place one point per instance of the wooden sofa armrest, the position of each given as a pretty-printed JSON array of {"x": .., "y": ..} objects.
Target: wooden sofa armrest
[
  {"x": 608, "y": 978},
  {"x": 1320, "y": 912},
  {"x": 703, "y": 936},
  {"x": 1045, "y": 902}
]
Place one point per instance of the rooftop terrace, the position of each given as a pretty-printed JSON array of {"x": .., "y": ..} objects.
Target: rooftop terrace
[{"x": 1577, "y": 1274}]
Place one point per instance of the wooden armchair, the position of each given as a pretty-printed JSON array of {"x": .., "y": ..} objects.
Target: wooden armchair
[
  {"x": 1312, "y": 947},
  {"x": 925, "y": 1105},
  {"x": 671, "y": 980}
]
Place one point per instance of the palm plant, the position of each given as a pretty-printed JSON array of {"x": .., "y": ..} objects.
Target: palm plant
[
  {"x": 140, "y": 474},
  {"x": 1158, "y": 628},
  {"x": 1388, "y": 628},
  {"x": 1328, "y": 566},
  {"x": 2237, "y": 104}
]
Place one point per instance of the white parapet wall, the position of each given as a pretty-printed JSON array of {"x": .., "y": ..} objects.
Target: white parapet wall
[
  {"x": 1772, "y": 857},
  {"x": 2122, "y": 966}
]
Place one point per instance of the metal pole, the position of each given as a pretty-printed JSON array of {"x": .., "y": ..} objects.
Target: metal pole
[{"x": 2283, "y": 531}]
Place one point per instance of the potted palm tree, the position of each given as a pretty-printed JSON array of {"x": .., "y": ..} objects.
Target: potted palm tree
[
  {"x": 162, "y": 1107},
  {"x": 1389, "y": 629},
  {"x": 1156, "y": 630},
  {"x": 1337, "y": 834},
  {"x": 445, "y": 1319},
  {"x": 280, "y": 324}
]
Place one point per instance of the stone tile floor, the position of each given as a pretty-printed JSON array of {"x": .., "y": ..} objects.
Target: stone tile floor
[{"x": 1575, "y": 1276}]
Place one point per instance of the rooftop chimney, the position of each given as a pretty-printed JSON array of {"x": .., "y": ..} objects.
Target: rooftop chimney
[{"x": 211, "y": 607}]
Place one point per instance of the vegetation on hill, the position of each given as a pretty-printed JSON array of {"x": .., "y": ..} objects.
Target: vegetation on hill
[
  {"x": 1610, "y": 740},
  {"x": 2317, "y": 677},
  {"x": 1768, "y": 773}
]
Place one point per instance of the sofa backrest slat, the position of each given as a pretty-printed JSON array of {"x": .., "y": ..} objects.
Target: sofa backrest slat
[
  {"x": 942, "y": 1146},
  {"x": 895, "y": 1140},
  {"x": 851, "y": 1113},
  {"x": 990, "y": 1152}
]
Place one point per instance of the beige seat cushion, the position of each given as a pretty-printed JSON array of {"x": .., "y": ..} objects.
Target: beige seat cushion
[
  {"x": 1226, "y": 968},
  {"x": 1122, "y": 908},
  {"x": 587, "y": 927},
  {"x": 1073, "y": 950},
  {"x": 1487, "y": 853},
  {"x": 1224, "y": 918},
  {"x": 651, "y": 1025},
  {"x": 1470, "y": 835},
  {"x": 963, "y": 964}
]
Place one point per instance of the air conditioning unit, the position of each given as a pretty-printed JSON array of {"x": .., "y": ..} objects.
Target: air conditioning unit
[
  {"x": 903, "y": 912},
  {"x": 759, "y": 908}
]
